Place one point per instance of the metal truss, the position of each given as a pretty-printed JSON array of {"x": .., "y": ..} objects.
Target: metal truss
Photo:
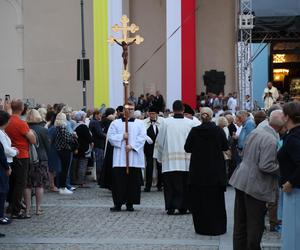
[
  {"x": 244, "y": 61},
  {"x": 290, "y": 36}
]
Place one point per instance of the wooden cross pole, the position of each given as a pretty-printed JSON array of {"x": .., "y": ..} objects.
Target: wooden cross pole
[{"x": 125, "y": 42}]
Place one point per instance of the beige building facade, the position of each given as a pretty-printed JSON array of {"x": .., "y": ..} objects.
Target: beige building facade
[{"x": 41, "y": 41}]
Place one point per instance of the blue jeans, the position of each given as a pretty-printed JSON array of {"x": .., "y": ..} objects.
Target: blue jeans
[
  {"x": 280, "y": 205},
  {"x": 291, "y": 220}
]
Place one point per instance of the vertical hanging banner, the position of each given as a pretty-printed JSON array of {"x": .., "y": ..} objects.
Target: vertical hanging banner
[
  {"x": 173, "y": 88},
  {"x": 116, "y": 94},
  {"x": 181, "y": 51},
  {"x": 188, "y": 43},
  {"x": 107, "y": 63},
  {"x": 101, "y": 56}
]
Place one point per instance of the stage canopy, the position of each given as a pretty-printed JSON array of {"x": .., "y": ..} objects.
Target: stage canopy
[{"x": 276, "y": 20}]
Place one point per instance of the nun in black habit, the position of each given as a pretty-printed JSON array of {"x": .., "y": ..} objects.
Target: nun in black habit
[{"x": 207, "y": 176}]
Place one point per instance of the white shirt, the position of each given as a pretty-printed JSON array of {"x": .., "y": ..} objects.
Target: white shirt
[
  {"x": 226, "y": 130},
  {"x": 273, "y": 91},
  {"x": 196, "y": 121},
  {"x": 8, "y": 150},
  {"x": 169, "y": 148},
  {"x": 231, "y": 104},
  {"x": 238, "y": 130},
  {"x": 136, "y": 139},
  {"x": 158, "y": 121},
  {"x": 248, "y": 105}
]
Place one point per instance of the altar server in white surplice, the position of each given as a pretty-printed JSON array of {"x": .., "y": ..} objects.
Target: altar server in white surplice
[
  {"x": 169, "y": 150},
  {"x": 126, "y": 188}
]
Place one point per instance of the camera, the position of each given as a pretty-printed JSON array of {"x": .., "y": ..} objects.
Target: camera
[{"x": 7, "y": 97}]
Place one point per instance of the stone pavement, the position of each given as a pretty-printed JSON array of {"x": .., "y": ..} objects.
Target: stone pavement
[{"x": 83, "y": 221}]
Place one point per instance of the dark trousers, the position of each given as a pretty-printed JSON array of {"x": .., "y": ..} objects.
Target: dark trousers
[
  {"x": 65, "y": 158},
  {"x": 2, "y": 203},
  {"x": 249, "y": 216},
  {"x": 99, "y": 158},
  {"x": 272, "y": 209},
  {"x": 17, "y": 183},
  {"x": 149, "y": 172}
]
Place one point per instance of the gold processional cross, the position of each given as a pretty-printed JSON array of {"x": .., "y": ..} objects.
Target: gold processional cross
[{"x": 125, "y": 42}]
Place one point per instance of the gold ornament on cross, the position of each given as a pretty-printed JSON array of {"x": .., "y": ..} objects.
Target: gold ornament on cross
[{"x": 126, "y": 40}]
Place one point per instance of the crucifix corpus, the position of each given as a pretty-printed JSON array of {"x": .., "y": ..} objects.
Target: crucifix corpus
[{"x": 125, "y": 42}]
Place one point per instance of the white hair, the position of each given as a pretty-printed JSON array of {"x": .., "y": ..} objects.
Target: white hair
[
  {"x": 61, "y": 120},
  {"x": 222, "y": 122},
  {"x": 138, "y": 114},
  {"x": 275, "y": 118},
  {"x": 43, "y": 113},
  {"x": 80, "y": 116}
]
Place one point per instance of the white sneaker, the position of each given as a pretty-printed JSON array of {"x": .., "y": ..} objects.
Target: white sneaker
[
  {"x": 72, "y": 188},
  {"x": 65, "y": 191}
]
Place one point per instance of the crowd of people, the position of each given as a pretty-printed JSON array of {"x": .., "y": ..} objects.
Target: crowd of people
[
  {"x": 229, "y": 102},
  {"x": 196, "y": 155}
]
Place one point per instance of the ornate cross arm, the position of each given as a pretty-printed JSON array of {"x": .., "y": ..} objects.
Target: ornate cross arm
[{"x": 125, "y": 41}]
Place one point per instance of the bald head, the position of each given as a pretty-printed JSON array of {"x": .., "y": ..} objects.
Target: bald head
[{"x": 276, "y": 120}]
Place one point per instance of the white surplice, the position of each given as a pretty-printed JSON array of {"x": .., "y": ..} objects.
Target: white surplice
[
  {"x": 136, "y": 138},
  {"x": 169, "y": 148}
]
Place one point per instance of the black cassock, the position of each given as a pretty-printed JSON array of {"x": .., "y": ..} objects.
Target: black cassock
[
  {"x": 105, "y": 180},
  {"x": 176, "y": 190},
  {"x": 126, "y": 188},
  {"x": 207, "y": 178}
]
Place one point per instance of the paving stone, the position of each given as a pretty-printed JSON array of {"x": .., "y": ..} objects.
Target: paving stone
[{"x": 83, "y": 221}]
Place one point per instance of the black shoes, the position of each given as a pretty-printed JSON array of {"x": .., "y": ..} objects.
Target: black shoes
[
  {"x": 5, "y": 221},
  {"x": 115, "y": 209},
  {"x": 2, "y": 235},
  {"x": 129, "y": 208},
  {"x": 170, "y": 211},
  {"x": 180, "y": 212}
]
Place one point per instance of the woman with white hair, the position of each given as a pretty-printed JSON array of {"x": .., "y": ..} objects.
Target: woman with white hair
[
  {"x": 65, "y": 144},
  {"x": 223, "y": 124},
  {"x": 43, "y": 113},
  {"x": 37, "y": 175},
  {"x": 207, "y": 177},
  {"x": 71, "y": 124}
]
